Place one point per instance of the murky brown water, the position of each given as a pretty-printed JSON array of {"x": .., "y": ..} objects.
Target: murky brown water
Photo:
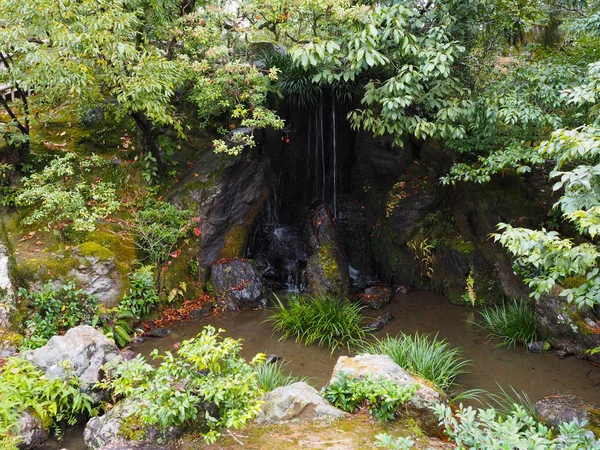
[{"x": 536, "y": 374}]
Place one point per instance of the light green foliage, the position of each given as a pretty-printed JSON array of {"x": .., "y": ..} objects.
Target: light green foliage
[
  {"x": 142, "y": 297},
  {"x": 98, "y": 50},
  {"x": 23, "y": 387},
  {"x": 270, "y": 376},
  {"x": 382, "y": 398},
  {"x": 63, "y": 197},
  {"x": 489, "y": 430},
  {"x": 159, "y": 227},
  {"x": 206, "y": 383},
  {"x": 327, "y": 320},
  {"x": 431, "y": 358},
  {"x": 384, "y": 440},
  {"x": 405, "y": 55},
  {"x": 56, "y": 309},
  {"x": 513, "y": 323}
]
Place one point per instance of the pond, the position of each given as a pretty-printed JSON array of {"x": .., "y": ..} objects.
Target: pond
[{"x": 537, "y": 375}]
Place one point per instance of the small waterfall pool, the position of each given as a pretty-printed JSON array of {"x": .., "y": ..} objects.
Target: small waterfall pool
[{"x": 538, "y": 375}]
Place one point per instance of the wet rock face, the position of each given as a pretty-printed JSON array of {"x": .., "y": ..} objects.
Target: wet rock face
[
  {"x": 121, "y": 428},
  {"x": 565, "y": 327},
  {"x": 83, "y": 348},
  {"x": 421, "y": 407},
  {"x": 239, "y": 284},
  {"x": 298, "y": 401},
  {"x": 559, "y": 408},
  {"x": 327, "y": 268},
  {"x": 31, "y": 431}
]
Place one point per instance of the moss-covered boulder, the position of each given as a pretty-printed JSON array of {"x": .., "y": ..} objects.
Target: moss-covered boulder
[
  {"x": 327, "y": 268},
  {"x": 227, "y": 196}
]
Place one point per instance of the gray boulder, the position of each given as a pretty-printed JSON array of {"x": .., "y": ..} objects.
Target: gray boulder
[
  {"x": 31, "y": 431},
  {"x": 239, "y": 284},
  {"x": 298, "y": 401},
  {"x": 82, "y": 351},
  {"x": 121, "y": 428},
  {"x": 98, "y": 276},
  {"x": 421, "y": 406},
  {"x": 558, "y": 408}
]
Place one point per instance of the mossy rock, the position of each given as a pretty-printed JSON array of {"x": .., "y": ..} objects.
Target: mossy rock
[
  {"x": 95, "y": 250},
  {"x": 326, "y": 272}
]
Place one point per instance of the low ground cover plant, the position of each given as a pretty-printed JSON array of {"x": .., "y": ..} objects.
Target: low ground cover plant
[
  {"x": 327, "y": 320},
  {"x": 382, "y": 398},
  {"x": 205, "y": 384},
  {"x": 430, "y": 357},
  {"x": 270, "y": 376}
]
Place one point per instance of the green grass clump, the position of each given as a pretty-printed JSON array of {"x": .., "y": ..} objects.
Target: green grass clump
[
  {"x": 431, "y": 358},
  {"x": 513, "y": 323},
  {"x": 326, "y": 320},
  {"x": 270, "y": 376}
]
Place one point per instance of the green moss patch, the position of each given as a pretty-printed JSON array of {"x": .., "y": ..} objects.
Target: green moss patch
[{"x": 95, "y": 250}]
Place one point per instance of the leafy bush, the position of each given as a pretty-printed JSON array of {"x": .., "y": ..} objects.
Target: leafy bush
[
  {"x": 323, "y": 319},
  {"x": 25, "y": 388},
  {"x": 206, "y": 383},
  {"x": 143, "y": 295},
  {"x": 62, "y": 197},
  {"x": 56, "y": 309},
  {"x": 384, "y": 440},
  {"x": 513, "y": 323},
  {"x": 273, "y": 375},
  {"x": 431, "y": 358},
  {"x": 382, "y": 398},
  {"x": 159, "y": 226},
  {"x": 489, "y": 430}
]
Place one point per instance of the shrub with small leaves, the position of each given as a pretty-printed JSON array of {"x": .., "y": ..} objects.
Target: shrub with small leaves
[
  {"x": 55, "y": 309},
  {"x": 206, "y": 384},
  {"x": 489, "y": 430},
  {"x": 382, "y": 398}
]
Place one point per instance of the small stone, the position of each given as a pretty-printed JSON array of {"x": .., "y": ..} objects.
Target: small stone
[
  {"x": 271, "y": 358},
  {"x": 381, "y": 321},
  {"x": 375, "y": 296},
  {"x": 401, "y": 289},
  {"x": 559, "y": 408},
  {"x": 538, "y": 346}
]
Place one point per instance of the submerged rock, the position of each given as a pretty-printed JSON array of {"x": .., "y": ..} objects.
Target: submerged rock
[
  {"x": 121, "y": 427},
  {"x": 159, "y": 332},
  {"x": 298, "y": 401},
  {"x": 327, "y": 268},
  {"x": 558, "y": 408},
  {"x": 238, "y": 284},
  {"x": 422, "y": 405},
  {"x": 381, "y": 321},
  {"x": 375, "y": 296},
  {"x": 538, "y": 346},
  {"x": 83, "y": 350},
  {"x": 31, "y": 431}
]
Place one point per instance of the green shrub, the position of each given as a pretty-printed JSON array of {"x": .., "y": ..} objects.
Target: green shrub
[
  {"x": 384, "y": 440},
  {"x": 206, "y": 384},
  {"x": 142, "y": 297},
  {"x": 62, "y": 197},
  {"x": 431, "y": 358},
  {"x": 23, "y": 387},
  {"x": 489, "y": 430},
  {"x": 273, "y": 375},
  {"x": 513, "y": 323},
  {"x": 382, "y": 398},
  {"x": 55, "y": 309},
  {"x": 159, "y": 226},
  {"x": 327, "y": 320}
]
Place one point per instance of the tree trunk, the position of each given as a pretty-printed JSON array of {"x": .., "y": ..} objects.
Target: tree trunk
[{"x": 148, "y": 139}]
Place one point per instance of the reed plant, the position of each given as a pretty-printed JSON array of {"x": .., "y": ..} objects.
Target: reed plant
[
  {"x": 430, "y": 357},
  {"x": 270, "y": 376},
  {"x": 326, "y": 320},
  {"x": 511, "y": 323}
]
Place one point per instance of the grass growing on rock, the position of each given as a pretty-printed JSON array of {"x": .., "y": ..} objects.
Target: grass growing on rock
[
  {"x": 513, "y": 323},
  {"x": 270, "y": 376},
  {"x": 430, "y": 357},
  {"x": 326, "y": 320}
]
